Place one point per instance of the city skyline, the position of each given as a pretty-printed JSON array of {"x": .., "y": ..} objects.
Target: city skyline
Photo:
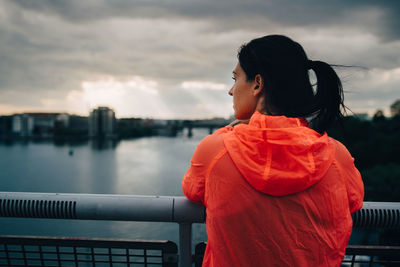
[
  {"x": 54, "y": 113},
  {"x": 173, "y": 60}
]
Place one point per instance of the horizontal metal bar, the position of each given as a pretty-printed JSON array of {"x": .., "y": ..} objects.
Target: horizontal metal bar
[
  {"x": 100, "y": 207},
  {"x": 373, "y": 250},
  {"x": 151, "y": 208},
  {"x": 52, "y": 242},
  {"x": 378, "y": 215}
]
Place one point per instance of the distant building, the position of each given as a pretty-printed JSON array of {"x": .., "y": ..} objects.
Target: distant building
[
  {"x": 127, "y": 124},
  {"x": 43, "y": 124},
  {"x": 132, "y": 127},
  {"x": 78, "y": 125},
  {"x": 62, "y": 119},
  {"x": 38, "y": 124},
  {"x": 71, "y": 126},
  {"x": 22, "y": 125},
  {"x": 5, "y": 125},
  {"x": 102, "y": 122}
]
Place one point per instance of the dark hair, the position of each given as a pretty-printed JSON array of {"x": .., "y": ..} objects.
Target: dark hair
[{"x": 283, "y": 65}]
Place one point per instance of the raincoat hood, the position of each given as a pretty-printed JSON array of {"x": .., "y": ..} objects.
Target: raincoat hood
[{"x": 278, "y": 155}]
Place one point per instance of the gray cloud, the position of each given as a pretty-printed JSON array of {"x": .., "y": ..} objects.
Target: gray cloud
[
  {"x": 49, "y": 47},
  {"x": 285, "y": 12}
]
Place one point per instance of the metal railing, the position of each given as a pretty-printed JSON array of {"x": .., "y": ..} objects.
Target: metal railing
[
  {"x": 108, "y": 207},
  {"x": 372, "y": 256},
  {"x": 55, "y": 251},
  {"x": 157, "y": 209}
]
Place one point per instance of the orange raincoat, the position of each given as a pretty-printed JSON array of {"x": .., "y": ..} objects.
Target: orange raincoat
[{"x": 277, "y": 193}]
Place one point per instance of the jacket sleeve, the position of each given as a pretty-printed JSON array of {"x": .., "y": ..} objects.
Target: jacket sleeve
[
  {"x": 352, "y": 178},
  {"x": 193, "y": 183}
]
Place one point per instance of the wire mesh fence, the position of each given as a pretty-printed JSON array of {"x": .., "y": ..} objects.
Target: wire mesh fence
[
  {"x": 372, "y": 256},
  {"x": 52, "y": 251},
  {"x": 63, "y": 251},
  {"x": 356, "y": 256}
]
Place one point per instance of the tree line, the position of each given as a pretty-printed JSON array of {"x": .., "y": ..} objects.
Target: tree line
[{"x": 375, "y": 145}]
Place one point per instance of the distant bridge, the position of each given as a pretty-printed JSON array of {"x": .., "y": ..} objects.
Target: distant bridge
[{"x": 203, "y": 124}]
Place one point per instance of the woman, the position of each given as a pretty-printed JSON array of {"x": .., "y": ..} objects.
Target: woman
[{"x": 278, "y": 191}]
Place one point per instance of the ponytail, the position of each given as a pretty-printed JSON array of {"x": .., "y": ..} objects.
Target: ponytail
[
  {"x": 284, "y": 67},
  {"x": 328, "y": 98}
]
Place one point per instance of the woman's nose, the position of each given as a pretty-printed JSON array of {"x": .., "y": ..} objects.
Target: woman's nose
[{"x": 230, "y": 92}]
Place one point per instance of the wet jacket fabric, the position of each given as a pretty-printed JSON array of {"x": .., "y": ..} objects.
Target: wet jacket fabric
[{"x": 276, "y": 192}]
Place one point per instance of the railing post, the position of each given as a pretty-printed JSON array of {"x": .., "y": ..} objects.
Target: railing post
[{"x": 185, "y": 244}]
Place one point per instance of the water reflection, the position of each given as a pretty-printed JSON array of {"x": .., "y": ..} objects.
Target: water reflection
[
  {"x": 70, "y": 142},
  {"x": 103, "y": 144},
  {"x": 96, "y": 144},
  {"x": 143, "y": 166}
]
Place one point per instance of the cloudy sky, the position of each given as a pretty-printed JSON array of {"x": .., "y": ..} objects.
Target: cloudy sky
[{"x": 174, "y": 58}]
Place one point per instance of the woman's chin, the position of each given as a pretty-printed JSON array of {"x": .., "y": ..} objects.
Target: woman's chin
[{"x": 243, "y": 117}]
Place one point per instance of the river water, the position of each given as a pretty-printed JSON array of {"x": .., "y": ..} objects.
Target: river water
[{"x": 143, "y": 166}]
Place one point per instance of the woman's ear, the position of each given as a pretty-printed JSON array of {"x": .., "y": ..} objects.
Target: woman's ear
[{"x": 259, "y": 85}]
